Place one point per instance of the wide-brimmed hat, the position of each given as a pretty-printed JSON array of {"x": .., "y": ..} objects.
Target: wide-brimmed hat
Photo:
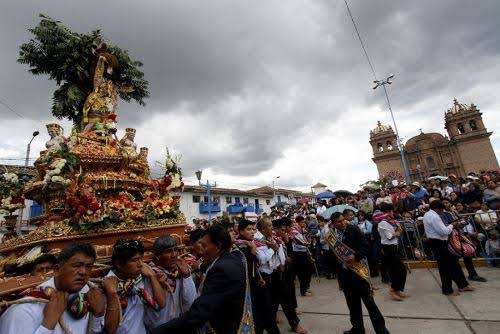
[{"x": 416, "y": 184}]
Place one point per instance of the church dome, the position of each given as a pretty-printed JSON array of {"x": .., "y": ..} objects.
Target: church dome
[
  {"x": 458, "y": 107},
  {"x": 380, "y": 128}
]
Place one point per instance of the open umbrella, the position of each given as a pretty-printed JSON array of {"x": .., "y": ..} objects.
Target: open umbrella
[
  {"x": 303, "y": 201},
  {"x": 325, "y": 194},
  {"x": 438, "y": 177},
  {"x": 337, "y": 208}
]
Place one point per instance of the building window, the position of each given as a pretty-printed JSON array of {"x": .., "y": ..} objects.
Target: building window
[
  {"x": 205, "y": 199},
  {"x": 380, "y": 148},
  {"x": 430, "y": 163},
  {"x": 245, "y": 200},
  {"x": 216, "y": 200},
  {"x": 473, "y": 125},
  {"x": 389, "y": 146},
  {"x": 461, "y": 128},
  {"x": 229, "y": 200},
  {"x": 196, "y": 199},
  {"x": 279, "y": 198},
  {"x": 268, "y": 201},
  {"x": 237, "y": 200}
]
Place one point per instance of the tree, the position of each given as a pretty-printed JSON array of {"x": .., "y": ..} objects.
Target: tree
[{"x": 67, "y": 57}]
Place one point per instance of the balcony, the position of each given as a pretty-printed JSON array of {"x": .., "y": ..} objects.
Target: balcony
[
  {"x": 239, "y": 208},
  {"x": 215, "y": 207}
]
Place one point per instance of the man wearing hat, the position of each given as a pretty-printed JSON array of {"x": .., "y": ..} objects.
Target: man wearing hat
[{"x": 175, "y": 277}]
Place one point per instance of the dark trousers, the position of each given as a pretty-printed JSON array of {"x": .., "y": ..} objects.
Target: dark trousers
[
  {"x": 327, "y": 262},
  {"x": 469, "y": 265},
  {"x": 372, "y": 257},
  {"x": 264, "y": 317},
  {"x": 303, "y": 269},
  {"x": 289, "y": 278},
  {"x": 355, "y": 291},
  {"x": 449, "y": 268},
  {"x": 280, "y": 295},
  {"x": 395, "y": 267}
]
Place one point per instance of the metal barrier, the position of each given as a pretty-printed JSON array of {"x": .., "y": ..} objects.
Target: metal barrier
[{"x": 478, "y": 226}]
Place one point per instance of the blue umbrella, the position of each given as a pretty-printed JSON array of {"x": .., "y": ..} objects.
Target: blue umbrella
[
  {"x": 326, "y": 194},
  {"x": 337, "y": 208}
]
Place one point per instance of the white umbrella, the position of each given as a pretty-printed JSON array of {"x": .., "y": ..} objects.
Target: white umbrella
[{"x": 438, "y": 177}]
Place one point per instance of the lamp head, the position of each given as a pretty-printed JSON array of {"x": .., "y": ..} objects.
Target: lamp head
[
  {"x": 36, "y": 133},
  {"x": 198, "y": 174}
]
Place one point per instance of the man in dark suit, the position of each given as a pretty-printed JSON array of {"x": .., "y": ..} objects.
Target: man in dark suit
[
  {"x": 222, "y": 297},
  {"x": 355, "y": 288}
]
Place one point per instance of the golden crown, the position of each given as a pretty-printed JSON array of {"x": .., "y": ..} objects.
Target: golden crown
[
  {"x": 54, "y": 126},
  {"x": 130, "y": 131}
]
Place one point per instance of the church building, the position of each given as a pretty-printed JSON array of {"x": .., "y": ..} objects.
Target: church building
[{"x": 466, "y": 148}]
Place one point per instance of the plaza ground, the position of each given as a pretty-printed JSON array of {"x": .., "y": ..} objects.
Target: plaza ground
[{"x": 427, "y": 311}]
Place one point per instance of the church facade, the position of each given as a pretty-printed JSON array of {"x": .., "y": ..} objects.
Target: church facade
[{"x": 466, "y": 147}]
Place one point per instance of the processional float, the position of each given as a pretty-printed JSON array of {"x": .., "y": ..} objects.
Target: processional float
[{"x": 92, "y": 186}]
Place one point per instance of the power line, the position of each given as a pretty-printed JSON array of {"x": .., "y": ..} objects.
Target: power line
[
  {"x": 12, "y": 110},
  {"x": 361, "y": 41}
]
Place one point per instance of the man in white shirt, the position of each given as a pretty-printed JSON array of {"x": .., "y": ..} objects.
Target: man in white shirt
[
  {"x": 389, "y": 238},
  {"x": 71, "y": 276},
  {"x": 302, "y": 263},
  {"x": 321, "y": 208},
  {"x": 137, "y": 286},
  {"x": 269, "y": 257},
  {"x": 437, "y": 234},
  {"x": 175, "y": 277},
  {"x": 383, "y": 198}
]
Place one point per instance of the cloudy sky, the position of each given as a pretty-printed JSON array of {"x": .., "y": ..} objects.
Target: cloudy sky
[{"x": 249, "y": 90}]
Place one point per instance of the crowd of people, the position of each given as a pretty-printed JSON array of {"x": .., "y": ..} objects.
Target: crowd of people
[{"x": 234, "y": 274}]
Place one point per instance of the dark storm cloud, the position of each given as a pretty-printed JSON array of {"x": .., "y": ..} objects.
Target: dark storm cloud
[{"x": 270, "y": 73}]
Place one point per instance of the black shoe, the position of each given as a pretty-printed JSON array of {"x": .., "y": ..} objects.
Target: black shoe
[
  {"x": 477, "y": 278},
  {"x": 355, "y": 331}
]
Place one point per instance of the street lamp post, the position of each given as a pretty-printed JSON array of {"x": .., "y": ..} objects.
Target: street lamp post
[
  {"x": 208, "y": 186},
  {"x": 274, "y": 189},
  {"x": 28, "y": 149},
  {"x": 26, "y": 162},
  {"x": 387, "y": 81}
]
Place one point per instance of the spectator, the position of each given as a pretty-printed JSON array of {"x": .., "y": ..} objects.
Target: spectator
[
  {"x": 365, "y": 204},
  {"x": 491, "y": 195},
  {"x": 383, "y": 198},
  {"x": 436, "y": 195},
  {"x": 486, "y": 217},
  {"x": 493, "y": 250}
]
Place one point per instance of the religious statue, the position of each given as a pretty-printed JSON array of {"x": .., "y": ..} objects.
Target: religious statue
[
  {"x": 129, "y": 147},
  {"x": 56, "y": 136},
  {"x": 102, "y": 102},
  {"x": 141, "y": 165}
]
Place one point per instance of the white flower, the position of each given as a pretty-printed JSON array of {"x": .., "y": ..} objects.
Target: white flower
[{"x": 11, "y": 177}]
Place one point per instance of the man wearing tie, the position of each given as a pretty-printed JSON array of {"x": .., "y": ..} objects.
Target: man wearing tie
[{"x": 356, "y": 289}]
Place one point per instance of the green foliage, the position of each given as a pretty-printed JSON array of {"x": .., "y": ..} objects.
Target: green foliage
[{"x": 67, "y": 58}]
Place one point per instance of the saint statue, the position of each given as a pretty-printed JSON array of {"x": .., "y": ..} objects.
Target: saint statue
[
  {"x": 129, "y": 147},
  {"x": 56, "y": 136},
  {"x": 102, "y": 102}
]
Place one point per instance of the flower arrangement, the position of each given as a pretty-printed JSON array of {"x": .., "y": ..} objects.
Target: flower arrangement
[
  {"x": 11, "y": 193},
  {"x": 173, "y": 175},
  {"x": 82, "y": 206},
  {"x": 54, "y": 173}
]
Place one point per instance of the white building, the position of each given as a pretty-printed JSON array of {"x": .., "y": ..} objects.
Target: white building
[
  {"x": 194, "y": 202},
  {"x": 318, "y": 188},
  {"x": 283, "y": 196}
]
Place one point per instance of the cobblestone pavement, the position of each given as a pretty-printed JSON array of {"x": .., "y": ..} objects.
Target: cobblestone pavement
[{"x": 426, "y": 311}]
